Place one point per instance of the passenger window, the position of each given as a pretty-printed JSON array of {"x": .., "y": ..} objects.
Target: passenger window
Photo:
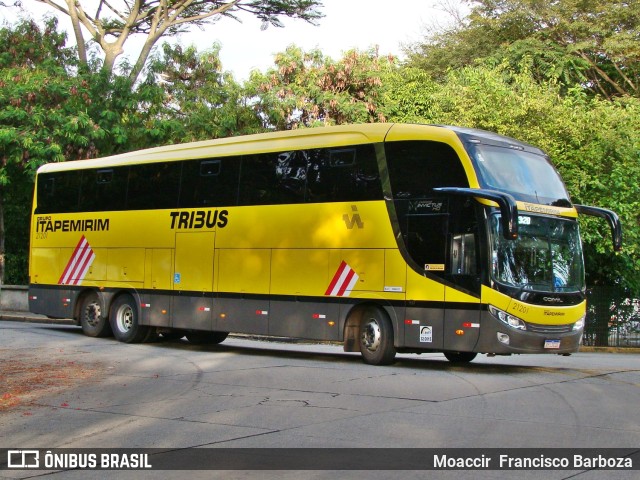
[
  {"x": 273, "y": 178},
  {"x": 104, "y": 189},
  {"x": 210, "y": 183},
  {"x": 344, "y": 175},
  {"x": 58, "y": 192},
  {"x": 154, "y": 186},
  {"x": 417, "y": 167}
]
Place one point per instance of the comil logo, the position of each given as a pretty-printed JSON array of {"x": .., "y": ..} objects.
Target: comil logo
[{"x": 23, "y": 459}]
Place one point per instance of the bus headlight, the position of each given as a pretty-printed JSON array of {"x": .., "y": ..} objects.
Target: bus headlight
[
  {"x": 513, "y": 322},
  {"x": 579, "y": 325}
]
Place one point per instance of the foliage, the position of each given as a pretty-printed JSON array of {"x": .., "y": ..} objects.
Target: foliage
[
  {"x": 51, "y": 112},
  {"x": 113, "y": 23},
  {"x": 591, "y": 43},
  {"x": 198, "y": 100},
  {"x": 42, "y": 116},
  {"x": 594, "y": 143},
  {"x": 309, "y": 89}
]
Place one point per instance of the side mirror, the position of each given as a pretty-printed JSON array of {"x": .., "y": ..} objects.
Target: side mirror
[{"x": 611, "y": 217}]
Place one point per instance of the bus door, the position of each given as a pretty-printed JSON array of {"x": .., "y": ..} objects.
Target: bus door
[
  {"x": 462, "y": 293},
  {"x": 423, "y": 225},
  {"x": 193, "y": 281}
]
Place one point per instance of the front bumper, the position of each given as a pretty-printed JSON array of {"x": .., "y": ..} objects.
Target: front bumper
[{"x": 522, "y": 341}]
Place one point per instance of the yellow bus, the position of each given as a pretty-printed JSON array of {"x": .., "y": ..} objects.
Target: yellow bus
[{"x": 385, "y": 237}]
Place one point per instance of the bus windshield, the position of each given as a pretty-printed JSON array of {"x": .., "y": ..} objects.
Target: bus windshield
[
  {"x": 547, "y": 256},
  {"x": 527, "y": 175}
]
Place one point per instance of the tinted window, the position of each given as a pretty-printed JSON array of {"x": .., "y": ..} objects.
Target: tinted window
[
  {"x": 416, "y": 168},
  {"x": 273, "y": 178},
  {"x": 209, "y": 183},
  {"x": 344, "y": 175},
  {"x": 58, "y": 192},
  {"x": 155, "y": 185},
  {"x": 318, "y": 175},
  {"x": 103, "y": 189}
]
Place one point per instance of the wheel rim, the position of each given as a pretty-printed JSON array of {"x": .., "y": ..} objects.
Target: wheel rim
[
  {"x": 92, "y": 314},
  {"x": 124, "y": 318},
  {"x": 371, "y": 335}
]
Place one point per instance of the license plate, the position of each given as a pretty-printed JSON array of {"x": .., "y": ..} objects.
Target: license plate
[{"x": 552, "y": 344}]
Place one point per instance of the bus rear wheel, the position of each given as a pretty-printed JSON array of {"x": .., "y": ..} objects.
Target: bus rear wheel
[
  {"x": 92, "y": 321},
  {"x": 376, "y": 337},
  {"x": 125, "y": 321},
  {"x": 460, "y": 357}
]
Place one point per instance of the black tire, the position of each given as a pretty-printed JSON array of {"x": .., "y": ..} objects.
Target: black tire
[
  {"x": 92, "y": 319},
  {"x": 125, "y": 321},
  {"x": 376, "y": 337},
  {"x": 206, "y": 338},
  {"x": 460, "y": 357}
]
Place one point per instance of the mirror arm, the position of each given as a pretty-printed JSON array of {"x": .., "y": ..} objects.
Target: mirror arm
[
  {"x": 507, "y": 204},
  {"x": 611, "y": 217}
]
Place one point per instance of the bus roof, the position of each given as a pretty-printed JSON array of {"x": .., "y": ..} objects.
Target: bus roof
[{"x": 307, "y": 138}]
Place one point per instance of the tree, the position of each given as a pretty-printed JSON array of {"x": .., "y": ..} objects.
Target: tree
[
  {"x": 307, "y": 89},
  {"x": 112, "y": 23},
  {"x": 591, "y": 43},
  {"x": 42, "y": 114},
  {"x": 594, "y": 143},
  {"x": 49, "y": 112},
  {"x": 199, "y": 100}
]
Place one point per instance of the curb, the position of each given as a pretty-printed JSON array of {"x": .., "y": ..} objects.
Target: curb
[
  {"x": 27, "y": 317},
  {"x": 584, "y": 349}
]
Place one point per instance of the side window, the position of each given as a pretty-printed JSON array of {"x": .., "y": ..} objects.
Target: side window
[
  {"x": 59, "y": 192},
  {"x": 104, "y": 189},
  {"x": 209, "y": 182},
  {"x": 344, "y": 175},
  {"x": 273, "y": 178},
  {"x": 417, "y": 167},
  {"x": 154, "y": 185}
]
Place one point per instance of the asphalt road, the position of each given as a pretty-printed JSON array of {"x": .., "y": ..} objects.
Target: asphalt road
[{"x": 64, "y": 390}]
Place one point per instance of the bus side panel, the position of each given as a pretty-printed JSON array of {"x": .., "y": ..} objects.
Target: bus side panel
[
  {"x": 299, "y": 272},
  {"x": 192, "y": 312},
  {"x": 424, "y": 326},
  {"x": 244, "y": 270},
  {"x": 235, "y": 313},
  {"x": 301, "y": 319},
  {"x": 53, "y": 302},
  {"x": 47, "y": 264},
  {"x": 461, "y": 321},
  {"x": 158, "y": 269},
  {"x": 155, "y": 309},
  {"x": 368, "y": 265},
  {"x": 126, "y": 265}
]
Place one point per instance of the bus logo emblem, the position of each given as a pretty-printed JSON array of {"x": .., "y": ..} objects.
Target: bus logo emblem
[
  {"x": 354, "y": 219},
  {"x": 343, "y": 281},
  {"x": 79, "y": 263}
]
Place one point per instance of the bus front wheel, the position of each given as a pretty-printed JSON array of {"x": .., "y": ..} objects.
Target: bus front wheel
[
  {"x": 92, "y": 321},
  {"x": 376, "y": 337},
  {"x": 125, "y": 321}
]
